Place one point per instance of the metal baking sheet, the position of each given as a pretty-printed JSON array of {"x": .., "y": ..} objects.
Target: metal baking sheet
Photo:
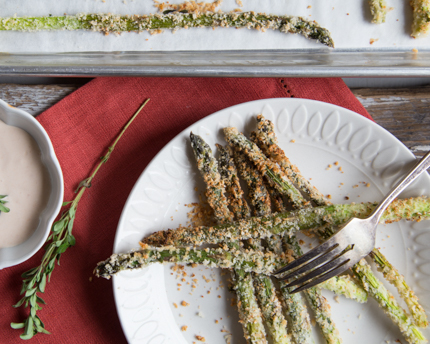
[{"x": 362, "y": 48}]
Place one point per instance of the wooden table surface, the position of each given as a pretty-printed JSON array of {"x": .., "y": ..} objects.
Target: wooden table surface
[{"x": 401, "y": 111}]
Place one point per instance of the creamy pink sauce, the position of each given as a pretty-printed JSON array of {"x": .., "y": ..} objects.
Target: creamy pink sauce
[{"x": 25, "y": 181}]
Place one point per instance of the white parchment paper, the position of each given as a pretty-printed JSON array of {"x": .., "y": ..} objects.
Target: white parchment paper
[{"x": 347, "y": 20}]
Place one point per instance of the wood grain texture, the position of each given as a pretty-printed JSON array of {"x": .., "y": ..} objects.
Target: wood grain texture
[
  {"x": 34, "y": 98},
  {"x": 402, "y": 111}
]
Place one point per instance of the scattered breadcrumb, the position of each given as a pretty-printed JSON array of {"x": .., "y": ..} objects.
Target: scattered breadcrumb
[
  {"x": 309, "y": 7},
  {"x": 293, "y": 141},
  {"x": 336, "y": 298},
  {"x": 175, "y": 305},
  {"x": 200, "y": 338},
  {"x": 185, "y": 304},
  {"x": 414, "y": 50},
  {"x": 329, "y": 196},
  {"x": 184, "y": 328},
  {"x": 373, "y": 40}
]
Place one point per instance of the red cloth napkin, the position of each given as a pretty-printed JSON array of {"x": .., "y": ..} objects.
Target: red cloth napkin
[{"x": 80, "y": 309}]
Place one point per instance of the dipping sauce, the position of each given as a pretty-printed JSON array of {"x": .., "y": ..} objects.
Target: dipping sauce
[{"x": 25, "y": 181}]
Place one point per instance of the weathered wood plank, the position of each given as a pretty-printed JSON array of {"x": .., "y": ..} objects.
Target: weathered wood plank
[
  {"x": 34, "y": 98},
  {"x": 402, "y": 111}
]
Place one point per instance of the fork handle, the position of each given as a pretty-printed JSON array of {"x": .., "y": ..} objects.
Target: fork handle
[{"x": 421, "y": 166}]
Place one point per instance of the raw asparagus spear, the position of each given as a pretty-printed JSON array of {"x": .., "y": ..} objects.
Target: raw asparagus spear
[
  {"x": 378, "y": 9},
  {"x": 421, "y": 18},
  {"x": 249, "y": 312},
  {"x": 260, "y": 199},
  {"x": 378, "y": 291},
  {"x": 246, "y": 260},
  {"x": 264, "y": 289},
  {"x": 107, "y": 23},
  {"x": 288, "y": 223}
]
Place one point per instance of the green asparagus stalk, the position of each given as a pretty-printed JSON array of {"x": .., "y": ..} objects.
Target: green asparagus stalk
[
  {"x": 266, "y": 167},
  {"x": 249, "y": 312},
  {"x": 112, "y": 23},
  {"x": 346, "y": 286},
  {"x": 260, "y": 199},
  {"x": 393, "y": 276},
  {"x": 257, "y": 192},
  {"x": 265, "y": 138},
  {"x": 421, "y": 18},
  {"x": 392, "y": 309},
  {"x": 317, "y": 301},
  {"x": 208, "y": 167},
  {"x": 3, "y": 208},
  {"x": 246, "y": 260},
  {"x": 266, "y": 134},
  {"x": 388, "y": 303},
  {"x": 378, "y": 9},
  {"x": 266, "y": 291},
  {"x": 288, "y": 223},
  {"x": 236, "y": 197}
]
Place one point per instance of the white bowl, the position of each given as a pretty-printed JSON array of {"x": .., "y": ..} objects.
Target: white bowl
[{"x": 17, "y": 254}]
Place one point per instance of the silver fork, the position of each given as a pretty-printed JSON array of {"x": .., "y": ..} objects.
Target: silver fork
[{"x": 354, "y": 241}]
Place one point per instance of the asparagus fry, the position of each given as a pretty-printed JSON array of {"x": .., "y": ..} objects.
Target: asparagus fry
[
  {"x": 288, "y": 223},
  {"x": 264, "y": 165},
  {"x": 379, "y": 9},
  {"x": 249, "y": 312},
  {"x": 208, "y": 168},
  {"x": 392, "y": 309},
  {"x": 393, "y": 276},
  {"x": 421, "y": 18},
  {"x": 228, "y": 173},
  {"x": 265, "y": 290},
  {"x": 294, "y": 303},
  {"x": 107, "y": 23},
  {"x": 346, "y": 286},
  {"x": 246, "y": 260},
  {"x": 266, "y": 139},
  {"x": 387, "y": 302},
  {"x": 318, "y": 302}
]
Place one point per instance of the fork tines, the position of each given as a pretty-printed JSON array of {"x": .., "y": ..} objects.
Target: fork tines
[{"x": 319, "y": 264}]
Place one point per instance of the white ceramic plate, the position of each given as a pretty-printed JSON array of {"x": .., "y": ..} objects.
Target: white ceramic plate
[
  {"x": 14, "y": 255},
  {"x": 314, "y": 135}
]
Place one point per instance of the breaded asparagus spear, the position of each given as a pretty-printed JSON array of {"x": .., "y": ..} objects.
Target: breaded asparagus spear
[
  {"x": 260, "y": 199},
  {"x": 208, "y": 167},
  {"x": 246, "y": 260},
  {"x": 266, "y": 134},
  {"x": 288, "y": 223},
  {"x": 421, "y": 18},
  {"x": 227, "y": 169},
  {"x": 379, "y": 292},
  {"x": 340, "y": 285},
  {"x": 249, "y": 312},
  {"x": 378, "y": 9},
  {"x": 264, "y": 289},
  {"x": 112, "y": 23}
]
